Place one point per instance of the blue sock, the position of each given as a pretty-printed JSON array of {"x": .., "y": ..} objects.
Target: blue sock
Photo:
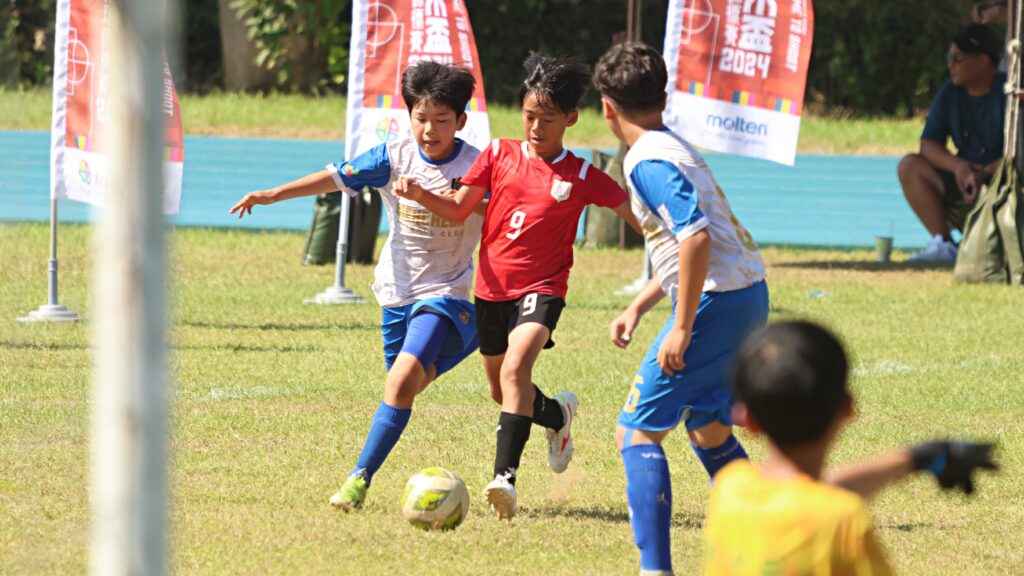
[
  {"x": 649, "y": 492},
  {"x": 714, "y": 459},
  {"x": 387, "y": 426}
]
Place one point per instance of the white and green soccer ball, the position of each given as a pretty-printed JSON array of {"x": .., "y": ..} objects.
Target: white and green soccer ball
[{"x": 435, "y": 499}]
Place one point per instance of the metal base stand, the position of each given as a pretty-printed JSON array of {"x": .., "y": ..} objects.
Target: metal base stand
[
  {"x": 336, "y": 295},
  {"x": 51, "y": 313}
]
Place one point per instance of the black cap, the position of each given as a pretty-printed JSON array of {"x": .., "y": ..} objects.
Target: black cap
[{"x": 979, "y": 39}]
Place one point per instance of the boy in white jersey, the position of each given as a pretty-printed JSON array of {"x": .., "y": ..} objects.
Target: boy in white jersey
[
  {"x": 709, "y": 265},
  {"x": 423, "y": 278}
]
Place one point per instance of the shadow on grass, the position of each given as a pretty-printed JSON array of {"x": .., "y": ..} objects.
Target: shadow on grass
[
  {"x": 42, "y": 346},
  {"x": 610, "y": 515},
  {"x": 863, "y": 266},
  {"x": 214, "y": 347},
  {"x": 908, "y": 527},
  {"x": 275, "y": 326},
  {"x": 248, "y": 348}
]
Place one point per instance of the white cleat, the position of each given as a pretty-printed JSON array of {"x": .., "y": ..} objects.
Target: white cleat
[
  {"x": 501, "y": 495},
  {"x": 560, "y": 441}
]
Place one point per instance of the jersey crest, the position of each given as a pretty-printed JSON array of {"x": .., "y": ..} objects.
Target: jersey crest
[{"x": 560, "y": 190}]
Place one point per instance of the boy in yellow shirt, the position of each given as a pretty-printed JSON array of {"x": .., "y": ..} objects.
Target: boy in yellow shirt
[{"x": 785, "y": 516}]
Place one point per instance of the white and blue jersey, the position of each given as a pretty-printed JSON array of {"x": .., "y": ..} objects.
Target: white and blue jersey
[
  {"x": 674, "y": 196},
  {"x": 425, "y": 255},
  {"x": 427, "y": 262}
]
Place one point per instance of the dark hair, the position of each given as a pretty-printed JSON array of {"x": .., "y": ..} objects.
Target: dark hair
[
  {"x": 558, "y": 81},
  {"x": 792, "y": 378},
  {"x": 632, "y": 75},
  {"x": 441, "y": 83}
]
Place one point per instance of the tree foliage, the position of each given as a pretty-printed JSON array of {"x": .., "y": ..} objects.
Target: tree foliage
[
  {"x": 26, "y": 42},
  {"x": 275, "y": 26},
  {"x": 870, "y": 56}
]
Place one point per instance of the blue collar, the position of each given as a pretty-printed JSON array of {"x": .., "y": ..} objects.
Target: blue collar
[{"x": 452, "y": 156}]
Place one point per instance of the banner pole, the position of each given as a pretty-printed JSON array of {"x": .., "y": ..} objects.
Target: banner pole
[
  {"x": 52, "y": 311},
  {"x": 129, "y": 396},
  {"x": 339, "y": 294}
]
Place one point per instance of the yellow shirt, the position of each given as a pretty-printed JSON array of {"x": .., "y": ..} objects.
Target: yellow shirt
[{"x": 758, "y": 526}]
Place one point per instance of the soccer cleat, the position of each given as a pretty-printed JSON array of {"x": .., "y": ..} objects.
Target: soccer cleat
[
  {"x": 560, "y": 441},
  {"x": 351, "y": 495},
  {"x": 501, "y": 495},
  {"x": 938, "y": 251}
]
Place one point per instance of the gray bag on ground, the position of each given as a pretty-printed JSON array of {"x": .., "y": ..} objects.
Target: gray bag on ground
[
  {"x": 991, "y": 249},
  {"x": 363, "y": 225}
]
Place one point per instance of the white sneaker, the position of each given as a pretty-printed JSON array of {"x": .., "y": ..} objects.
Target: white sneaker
[
  {"x": 501, "y": 495},
  {"x": 560, "y": 441},
  {"x": 938, "y": 251}
]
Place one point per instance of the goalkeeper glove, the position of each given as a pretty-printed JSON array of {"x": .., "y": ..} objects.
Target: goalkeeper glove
[{"x": 953, "y": 463}]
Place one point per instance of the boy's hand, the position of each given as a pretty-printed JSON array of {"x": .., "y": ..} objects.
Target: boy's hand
[
  {"x": 408, "y": 188},
  {"x": 251, "y": 199},
  {"x": 953, "y": 463},
  {"x": 621, "y": 329},
  {"x": 670, "y": 355}
]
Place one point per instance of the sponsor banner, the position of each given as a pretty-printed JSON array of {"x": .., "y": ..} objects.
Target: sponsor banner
[
  {"x": 82, "y": 104},
  {"x": 387, "y": 37},
  {"x": 737, "y": 74}
]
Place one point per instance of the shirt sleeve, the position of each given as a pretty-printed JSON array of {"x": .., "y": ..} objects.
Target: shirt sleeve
[
  {"x": 937, "y": 126},
  {"x": 479, "y": 174},
  {"x": 371, "y": 168},
  {"x": 667, "y": 193},
  {"x": 600, "y": 188}
]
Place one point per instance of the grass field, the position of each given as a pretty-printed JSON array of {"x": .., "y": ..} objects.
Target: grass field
[
  {"x": 291, "y": 116},
  {"x": 272, "y": 398}
]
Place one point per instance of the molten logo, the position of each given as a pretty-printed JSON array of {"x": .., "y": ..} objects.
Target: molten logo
[{"x": 737, "y": 124}]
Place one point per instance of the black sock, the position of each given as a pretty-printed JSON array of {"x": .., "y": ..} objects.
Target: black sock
[
  {"x": 513, "y": 432},
  {"x": 547, "y": 412}
]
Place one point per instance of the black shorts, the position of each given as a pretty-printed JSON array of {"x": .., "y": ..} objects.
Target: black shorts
[{"x": 494, "y": 320}]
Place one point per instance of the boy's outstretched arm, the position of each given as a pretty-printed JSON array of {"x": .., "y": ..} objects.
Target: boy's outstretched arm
[
  {"x": 953, "y": 464},
  {"x": 312, "y": 185},
  {"x": 694, "y": 253},
  {"x": 621, "y": 329},
  {"x": 454, "y": 207},
  {"x": 868, "y": 478}
]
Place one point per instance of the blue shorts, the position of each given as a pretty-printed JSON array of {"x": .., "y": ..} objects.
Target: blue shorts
[
  {"x": 460, "y": 342},
  {"x": 702, "y": 392}
]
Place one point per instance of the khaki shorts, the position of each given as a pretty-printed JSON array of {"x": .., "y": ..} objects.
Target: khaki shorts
[{"x": 952, "y": 202}]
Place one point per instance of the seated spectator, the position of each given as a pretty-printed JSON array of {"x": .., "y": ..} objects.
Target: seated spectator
[{"x": 970, "y": 108}]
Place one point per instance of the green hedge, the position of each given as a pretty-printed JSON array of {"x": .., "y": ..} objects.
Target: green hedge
[{"x": 870, "y": 57}]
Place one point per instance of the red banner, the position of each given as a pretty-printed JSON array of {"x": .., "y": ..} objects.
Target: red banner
[
  {"x": 749, "y": 56},
  {"x": 388, "y": 36},
  {"x": 82, "y": 106}
]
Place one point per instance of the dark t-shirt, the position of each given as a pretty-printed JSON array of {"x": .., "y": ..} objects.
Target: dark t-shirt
[{"x": 974, "y": 122}]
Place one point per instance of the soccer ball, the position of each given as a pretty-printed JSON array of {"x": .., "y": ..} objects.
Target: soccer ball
[{"x": 435, "y": 499}]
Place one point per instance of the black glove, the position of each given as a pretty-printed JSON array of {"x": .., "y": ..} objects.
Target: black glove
[{"x": 953, "y": 463}]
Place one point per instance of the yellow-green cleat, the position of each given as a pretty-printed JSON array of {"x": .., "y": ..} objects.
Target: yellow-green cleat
[{"x": 351, "y": 495}]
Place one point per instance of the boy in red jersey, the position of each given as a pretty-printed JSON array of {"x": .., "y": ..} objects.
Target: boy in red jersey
[{"x": 538, "y": 191}]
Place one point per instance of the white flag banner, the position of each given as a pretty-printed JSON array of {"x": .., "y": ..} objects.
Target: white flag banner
[
  {"x": 737, "y": 70},
  {"x": 79, "y": 168},
  {"x": 387, "y": 37}
]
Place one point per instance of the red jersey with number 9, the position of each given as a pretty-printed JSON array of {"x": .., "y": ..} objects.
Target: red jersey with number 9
[{"x": 532, "y": 218}]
